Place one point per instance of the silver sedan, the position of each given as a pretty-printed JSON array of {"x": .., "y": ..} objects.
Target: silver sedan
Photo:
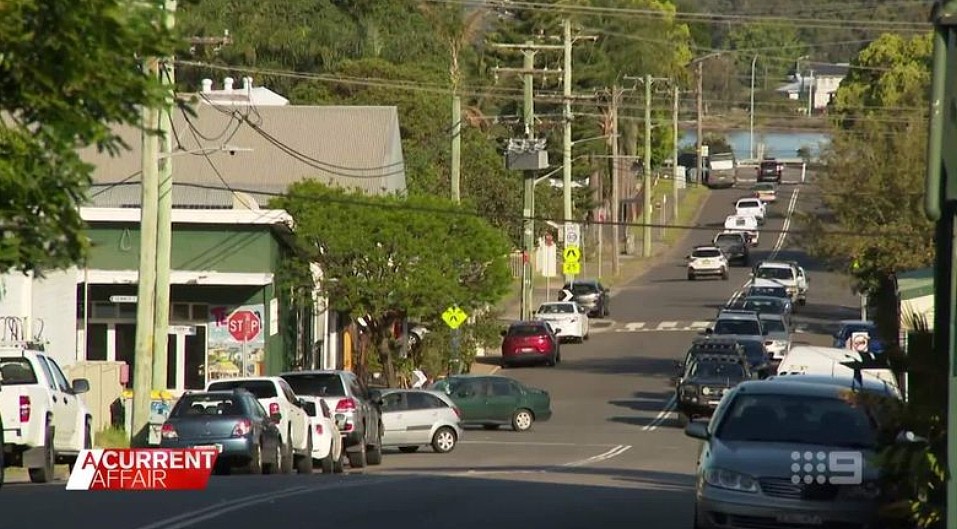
[{"x": 413, "y": 418}]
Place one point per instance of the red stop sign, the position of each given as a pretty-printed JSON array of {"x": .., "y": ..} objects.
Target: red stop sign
[{"x": 244, "y": 325}]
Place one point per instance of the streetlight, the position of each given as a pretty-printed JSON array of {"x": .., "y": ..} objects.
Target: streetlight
[
  {"x": 751, "y": 150},
  {"x": 699, "y": 147}
]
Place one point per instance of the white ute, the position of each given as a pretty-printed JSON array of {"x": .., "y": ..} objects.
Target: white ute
[
  {"x": 787, "y": 274},
  {"x": 751, "y": 207},
  {"x": 44, "y": 419},
  {"x": 747, "y": 225}
]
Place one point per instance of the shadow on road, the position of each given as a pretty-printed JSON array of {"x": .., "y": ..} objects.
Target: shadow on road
[
  {"x": 660, "y": 423},
  {"x": 683, "y": 482}
]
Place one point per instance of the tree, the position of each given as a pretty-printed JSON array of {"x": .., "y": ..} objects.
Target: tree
[
  {"x": 776, "y": 49},
  {"x": 873, "y": 179},
  {"x": 389, "y": 258},
  {"x": 68, "y": 73}
]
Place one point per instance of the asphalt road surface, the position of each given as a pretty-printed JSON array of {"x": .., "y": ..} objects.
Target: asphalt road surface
[{"x": 612, "y": 456}]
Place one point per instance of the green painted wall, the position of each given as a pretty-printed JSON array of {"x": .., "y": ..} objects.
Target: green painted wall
[{"x": 250, "y": 249}]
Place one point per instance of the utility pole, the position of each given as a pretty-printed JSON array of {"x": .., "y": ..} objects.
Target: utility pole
[
  {"x": 646, "y": 190},
  {"x": 751, "y": 136},
  {"x": 674, "y": 153},
  {"x": 567, "y": 122},
  {"x": 164, "y": 211},
  {"x": 456, "y": 171},
  {"x": 530, "y": 147},
  {"x": 699, "y": 136},
  {"x": 615, "y": 184}
]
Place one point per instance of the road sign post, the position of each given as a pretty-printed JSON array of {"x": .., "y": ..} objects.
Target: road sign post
[
  {"x": 244, "y": 326},
  {"x": 454, "y": 317}
]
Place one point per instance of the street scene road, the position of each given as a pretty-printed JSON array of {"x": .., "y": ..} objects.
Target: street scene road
[{"x": 613, "y": 454}]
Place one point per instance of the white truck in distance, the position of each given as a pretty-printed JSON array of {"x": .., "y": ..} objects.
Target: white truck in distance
[
  {"x": 787, "y": 274},
  {"x": 44, "y": 419}
]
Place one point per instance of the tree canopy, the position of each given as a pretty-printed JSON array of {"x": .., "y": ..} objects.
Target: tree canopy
[
  {"x": 389, "y": 258},
  {"x": 68, "y": 72}
]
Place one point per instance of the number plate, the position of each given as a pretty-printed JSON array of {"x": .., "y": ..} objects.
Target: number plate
[
  {"x": 526, "y": 350},
  {"x": 714, "y": 403},
  {"x": 802, "y": 519},
  {"x": 217, "y": 447}
]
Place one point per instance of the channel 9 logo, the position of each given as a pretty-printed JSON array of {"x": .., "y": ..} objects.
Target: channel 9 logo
[{"x": 836, "y": 468}]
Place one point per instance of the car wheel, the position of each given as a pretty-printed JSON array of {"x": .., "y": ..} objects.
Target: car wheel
[
  {"x": 44, "y": 474},
  {"x": 255, "y": 464},
  {"x": 357, "y": 457},
  {"x": 522, "y": 420},
  {"x": 374, "y": 453},
  {"x": 275, "y": 466},
  {"x": 725, "y": 274},
  {"x": 287, "y": 462},
  {"x": 304, "y": 462},
  {"x": 691, "y": 276},
  {"x": 328, "y": 463},
  {"x": 550, "y": 361},
  {"x": 339, "y": 466},
  {"x": 408, "y": 449},
  {"x": 802, "y": 302},
  {"x": 444, "y": 440}
]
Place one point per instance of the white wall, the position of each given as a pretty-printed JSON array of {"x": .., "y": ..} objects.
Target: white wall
[{"x": 49, "y": 304}]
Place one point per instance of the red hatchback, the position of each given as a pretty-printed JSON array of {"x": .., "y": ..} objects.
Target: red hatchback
[{"x": 528, "y": 342}]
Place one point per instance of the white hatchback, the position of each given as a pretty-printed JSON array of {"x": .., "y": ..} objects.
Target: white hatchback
[
  {"x": 751, "y": 207},
  {"x": 570, "y": 318}
]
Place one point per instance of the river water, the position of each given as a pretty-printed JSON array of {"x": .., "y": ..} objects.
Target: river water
[{"x": 779, "y": 144}]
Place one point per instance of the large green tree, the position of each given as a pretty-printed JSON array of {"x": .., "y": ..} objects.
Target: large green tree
[
  {"x": 390, "y": 258},
  {"x": 873, "y": 181},
  {"x": 69, "y": 71}
]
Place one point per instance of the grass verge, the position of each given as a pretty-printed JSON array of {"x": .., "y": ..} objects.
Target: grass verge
[{"x": 111, "y": 438}]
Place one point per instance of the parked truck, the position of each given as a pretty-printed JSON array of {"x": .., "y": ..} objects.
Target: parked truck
[
  {"x": 721, "y": 170},
  {"x": 44, "y": 419}
]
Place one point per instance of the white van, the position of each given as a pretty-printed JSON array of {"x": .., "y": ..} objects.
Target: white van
[
  {"x": 745, "y": 224},
  {"x": 814, "y": 360}
]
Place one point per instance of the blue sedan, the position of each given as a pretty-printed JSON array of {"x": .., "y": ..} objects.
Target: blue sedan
[{"x": 849, "y": 327}]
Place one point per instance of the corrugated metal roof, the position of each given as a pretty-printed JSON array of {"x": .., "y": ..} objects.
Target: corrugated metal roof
[{"x": 350, "y": 147}]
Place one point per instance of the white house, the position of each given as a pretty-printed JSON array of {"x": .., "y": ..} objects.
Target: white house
[{"x": 820, "y": 80}]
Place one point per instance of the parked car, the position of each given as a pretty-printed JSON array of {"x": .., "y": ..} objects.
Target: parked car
[
  {"x": 735, "y": 246},
  {"x": 413, "y": 418},
  {"x": 569, "y": 319},
  {"x": 707, "y": 261},
  {"x": 234, "y": 422},
  {"x": 759, "y": 441},
  {"x": 848, "y": 327},
  {"x": 326, "y": 437},
  {"x": 527, "y": 342},
  {"x": 281, "y": 401},
  {"x": 493, "y": 401},
  {"x": 45, "y": 421},
  {"x": 591, "y": 294},
  {"x": 352, "y": 404}
]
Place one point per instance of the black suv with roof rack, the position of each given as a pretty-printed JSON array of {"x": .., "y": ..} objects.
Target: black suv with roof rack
[
  {"x": 705, "y": 381},
  {"x": 714, "y": 346}
]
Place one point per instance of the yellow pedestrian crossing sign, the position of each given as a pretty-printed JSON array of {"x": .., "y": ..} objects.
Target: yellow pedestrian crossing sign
[
  {"x": 572, "y": 254},
  {"x": 572, "y": 268},
  {"x": 454, "y": 317}
]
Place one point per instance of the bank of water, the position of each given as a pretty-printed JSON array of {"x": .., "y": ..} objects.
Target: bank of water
[{"x": 779, "y": 144}]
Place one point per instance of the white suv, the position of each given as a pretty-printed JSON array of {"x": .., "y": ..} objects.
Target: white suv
[
  {"x": 286, "y": 409},
  {"x": 751, "y": 207},
  {"x": 787, "y": 274},
  {"x": 707, "y": 261}
]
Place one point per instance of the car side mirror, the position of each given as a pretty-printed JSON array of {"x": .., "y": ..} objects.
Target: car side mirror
[
  {"x": 582, "y": 310},
  {"x": 697, "y": 430},
  {"x": 909, "y": 437},
  {"x": 709, "y": 330},
  {"x": 80, "y": 385}
]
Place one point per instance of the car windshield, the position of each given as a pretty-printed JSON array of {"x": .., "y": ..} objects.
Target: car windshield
[
  {"x": 526, "y": 330},
  {"x": 728, "y": 239},
  {"x": 705, "y": 254},
  {"x": 706, "y": 369},
  {"x": 773, "y": 272},
  {"x": 763, "y": 305},
  {"x": 582, "y": 288},
  {"x": 749, "y": 204},
  {"x": 316, "y": 384},
  {"x": 557, "y": 308},
  {"x": 797, "y": 419},
  {"x": 742, "y": 327},
  {"x": 16, "y": 371},
  {"x": 262, "y": 389},
  {"x": 773, "y": 325},
  {"x": 776, "y": 292},
  {"x": 205, "y": 404}
]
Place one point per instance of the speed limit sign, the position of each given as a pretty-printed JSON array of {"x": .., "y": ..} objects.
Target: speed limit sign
[{"x": 572, "y": 234}]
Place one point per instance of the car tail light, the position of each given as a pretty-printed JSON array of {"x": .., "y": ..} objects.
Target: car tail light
[
  {"x": 274, "y": 408},
  {"x": 24, "y": 408},
  {"x": 457, "y": 411},
  {"x": 346, "y": 405},
  {"x": 242, "y": 428},
  {"x": 168, "y": 432},
  {"x": 318, "y": 429}
]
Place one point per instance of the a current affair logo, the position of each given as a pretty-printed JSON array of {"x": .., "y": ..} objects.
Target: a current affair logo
[
  {"x": 143, "y": 469},
  {"x": 836, "y": 468}
]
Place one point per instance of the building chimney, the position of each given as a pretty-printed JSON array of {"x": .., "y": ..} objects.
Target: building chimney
[
  {"x": 247, "y": 84},
  {"x": 228, "y": 85},
  {"x": 207, "y": 86}
]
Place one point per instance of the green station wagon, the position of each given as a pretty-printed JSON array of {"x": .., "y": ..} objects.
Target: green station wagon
[{"x": 493, "y": 401}]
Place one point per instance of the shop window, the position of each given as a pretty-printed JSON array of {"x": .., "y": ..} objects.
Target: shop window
[
  {"x": 96, "y": 341},
  {"x": 180, "y": 312},
  {"x": 200, "y": 312}
]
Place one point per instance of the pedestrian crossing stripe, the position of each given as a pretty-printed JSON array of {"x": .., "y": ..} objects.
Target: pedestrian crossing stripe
[{"x": 673, "y": 326}]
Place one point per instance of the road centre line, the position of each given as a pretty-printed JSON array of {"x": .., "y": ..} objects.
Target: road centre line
[
  {"x": 533, "y": 443},
  {"x": 198, "y": 516},
  {"x": 604, "y": 456},
  {"x": 670, "y": 406}
]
